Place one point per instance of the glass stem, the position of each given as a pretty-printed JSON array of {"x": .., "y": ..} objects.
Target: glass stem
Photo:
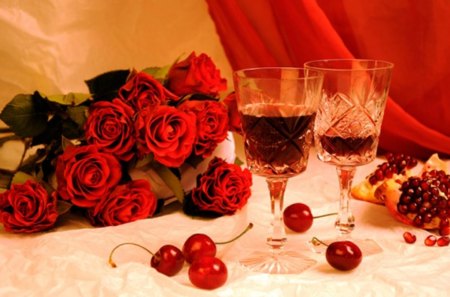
[
  {"x": 277, "y": 237},
  {"x": 345, "y": 221}
]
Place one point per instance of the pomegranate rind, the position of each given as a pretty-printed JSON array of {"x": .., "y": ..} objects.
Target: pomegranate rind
[
  {"x": 435, "y": 163},
  {"x": 365, "y": 191}
]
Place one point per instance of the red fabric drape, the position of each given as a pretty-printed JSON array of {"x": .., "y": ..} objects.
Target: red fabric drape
[{"x": 411, "y": 34}]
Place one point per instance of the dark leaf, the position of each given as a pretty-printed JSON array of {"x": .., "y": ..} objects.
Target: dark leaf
[
  {"x": 191, "y": 209},
  {"x": 78, "y": 114},
  {"x": 70, "y": 99},
  {"x": 71, "y": 130},
  {"x": 21, "y": 177},
  {"x": 194, "y": 160},
  {"x": 105, "y": 86},
  {"x": 26, "y": 114},
  {"x": 63, "y": 207},
  {"x": 159, "y": 73},
  {"x": 52, "y": 131},
  {"x": 170, "y": 179}
]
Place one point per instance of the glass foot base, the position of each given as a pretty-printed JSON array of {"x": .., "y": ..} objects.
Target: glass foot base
[
  {"x": 367, "y": 246},
  {"x": 278, "y": 262}
]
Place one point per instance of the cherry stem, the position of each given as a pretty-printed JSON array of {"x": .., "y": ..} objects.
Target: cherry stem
[
  {"x": 249, "y": 226},
  {"x": 110, "y": 260},
  {"x": 325, "y": 215},
  {"x": 316, "y": 241}
]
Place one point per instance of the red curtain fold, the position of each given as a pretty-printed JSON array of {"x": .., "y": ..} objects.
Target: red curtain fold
[{"x": 411, "y": 34}]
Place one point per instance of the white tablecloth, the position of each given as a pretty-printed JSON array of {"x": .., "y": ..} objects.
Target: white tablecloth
[{"x": 72, "y": 260}]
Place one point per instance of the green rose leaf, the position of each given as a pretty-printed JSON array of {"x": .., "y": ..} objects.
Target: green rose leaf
[
  {"x": 170, "y": 179},
  {"x": 26, "y": 114},
  {"x": 105, "y": 86},
  {"x": 70, "y": 99},
  {"x": 238, "y": 161},
  {"x": 21, "y": 177},
  {"x": 159, "y": 73},
  {"x": 78, "y": 114},
  {"x": 63, "y": 207}
]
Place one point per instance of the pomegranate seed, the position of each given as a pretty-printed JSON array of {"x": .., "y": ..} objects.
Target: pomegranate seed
[
  {"x": 409, "y": 237},
  {"x": 430, "y": 240},
  {"x": 443, "y": 241}
]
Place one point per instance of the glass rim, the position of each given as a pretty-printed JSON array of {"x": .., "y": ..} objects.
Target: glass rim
[
  {"x": 377, "y": 64},
  {"x": 240, "y": 72}
]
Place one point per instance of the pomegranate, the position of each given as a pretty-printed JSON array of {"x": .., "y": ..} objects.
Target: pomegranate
[
  {"x": 422, "y": 201},
  {"x": 395, "y": 164},
  {"x": 397, "y": 167}
]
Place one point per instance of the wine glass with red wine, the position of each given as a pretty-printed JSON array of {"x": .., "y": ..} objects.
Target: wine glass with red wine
[
  {"x": 277, "y": 108},
  {"x": 348, "y": 121}
]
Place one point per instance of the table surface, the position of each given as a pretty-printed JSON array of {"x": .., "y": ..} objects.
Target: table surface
[{"x": 72, "y": 259}]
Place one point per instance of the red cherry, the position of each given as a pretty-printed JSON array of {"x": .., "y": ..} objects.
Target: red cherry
[
  {"x": 168, "y": 260},
  {"x": 208, "y": 273},
  {"x": 343, "y": 255},
  {"x": 298, "y": 217},
  {"x": 197, "y": 246}
]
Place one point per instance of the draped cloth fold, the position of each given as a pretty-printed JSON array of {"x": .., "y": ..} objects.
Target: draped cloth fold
[{"x": 411, "y": 34}]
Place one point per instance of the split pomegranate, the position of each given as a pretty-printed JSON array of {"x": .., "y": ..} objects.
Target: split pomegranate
[
  {"x": 397, "y": 167},
  {"x": 422, "y": 201},
  {"x": 395, "y": 164}
]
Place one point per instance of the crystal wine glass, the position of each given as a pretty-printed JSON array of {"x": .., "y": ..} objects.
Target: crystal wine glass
[
  {"x": 348, "y": 121},
  {"x": 277, "y": 108}
]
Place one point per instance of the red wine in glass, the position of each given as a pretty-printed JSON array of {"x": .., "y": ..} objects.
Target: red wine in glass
[
  {"x": 277, "y": 144},
  {"x": 352, "y": 150}
]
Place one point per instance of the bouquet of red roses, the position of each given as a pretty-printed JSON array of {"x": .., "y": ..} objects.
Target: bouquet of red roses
[{"x": 81, "y": 148}]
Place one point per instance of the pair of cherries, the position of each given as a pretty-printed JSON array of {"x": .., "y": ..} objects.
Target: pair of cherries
[
  {"x": 206, "y": 271},
  {"x": 342, "y": 255}
]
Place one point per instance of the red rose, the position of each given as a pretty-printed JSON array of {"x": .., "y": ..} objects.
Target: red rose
[
  {"x": 27, "y": 208},
  {"x": 196, "y": 75},
  {"x": 142, "y": 90},
  {"x": 110, "y": 127},
  {"x": 234, "y": 118},
  {"x": 85, "y": 175},
  {"x": 129, "y": 202},
  {"x": 167, "y": 132},
  {"x": 212, "y": 125},
  {"x": 222, "y": 189}
]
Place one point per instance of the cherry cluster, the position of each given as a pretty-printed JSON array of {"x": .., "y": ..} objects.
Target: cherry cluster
[
  {"x": 206, "y": 271},
  {"x": 396, "y": 163},
  {"x": 342, "y": 255}
]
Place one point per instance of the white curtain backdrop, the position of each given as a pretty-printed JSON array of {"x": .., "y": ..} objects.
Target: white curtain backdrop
[{"x": 53, "y": 45}]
